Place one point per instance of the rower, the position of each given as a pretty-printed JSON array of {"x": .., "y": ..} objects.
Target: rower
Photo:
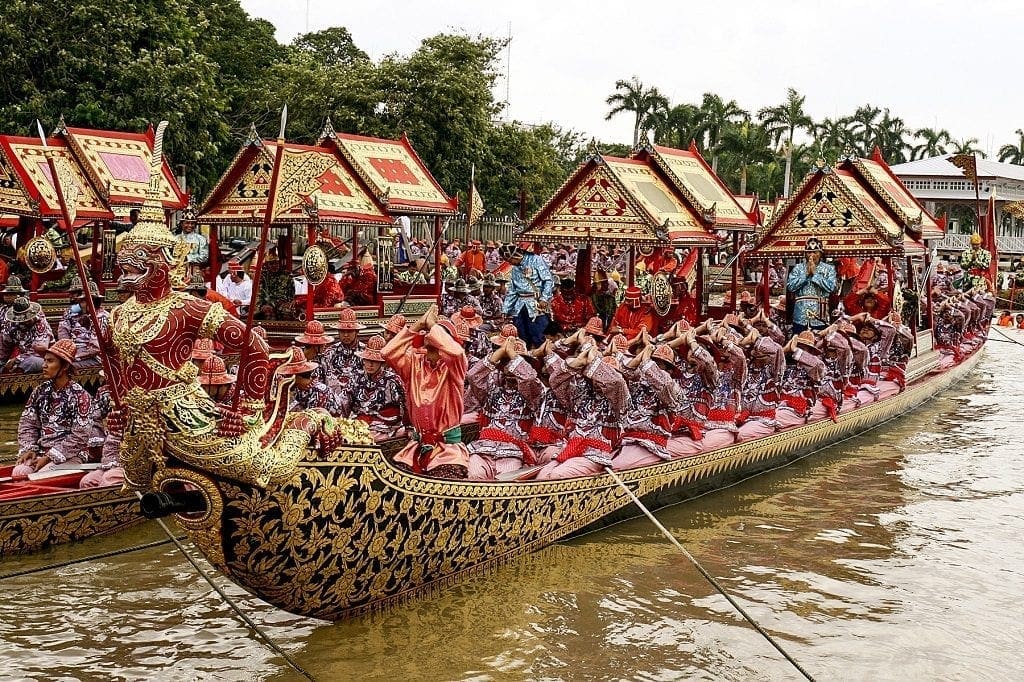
[
  {"x": 376, "y": 395},
  {"x": 215, "y": 380},
  {"x": 26, "y": 331},
  {"x": 54, "y": 427},
  {"x": 110, "y": 471},
  {"x": 307, "y": 393},
  {"x": 341, "y": 356},
  {"x": 76, "y": 324}
]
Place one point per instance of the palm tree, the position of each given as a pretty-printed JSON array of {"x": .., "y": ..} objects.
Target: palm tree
[
  {"x": 747, "y": 143},
  {"x": 933, "y": 143},
  {"x": 784, "y": 120},
  {"x": 656, "y": 119},
  {"x": 832, "y": 137},
  {"x": 864, "y": 126},
  {"x": 632, "y": 96},
  {"x": 968, "y": 146},
  {"x": 1009, "y": 153},
  {"x": 891, "y": 138},
  {"x": 716, "y": 114},
  {"x": 682, "y": 125},
  {"x": 766, "y": 180}
]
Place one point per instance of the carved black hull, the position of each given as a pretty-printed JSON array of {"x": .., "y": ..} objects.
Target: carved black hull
[{"x": 351, "y": 533}]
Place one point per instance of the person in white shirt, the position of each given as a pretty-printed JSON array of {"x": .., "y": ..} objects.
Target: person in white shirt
[{"x": 236, "y": 287}]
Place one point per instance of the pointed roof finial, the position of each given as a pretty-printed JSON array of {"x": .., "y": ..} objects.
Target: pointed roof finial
[{"x": 328, "y": 132}]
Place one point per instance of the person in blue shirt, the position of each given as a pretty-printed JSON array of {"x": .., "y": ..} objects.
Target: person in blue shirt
[
  {"x": 528, "y": 301},
  {"x": 811, "y": 282}
]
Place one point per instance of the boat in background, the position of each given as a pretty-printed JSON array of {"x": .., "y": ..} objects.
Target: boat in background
[{"x": 50, "y": 509}]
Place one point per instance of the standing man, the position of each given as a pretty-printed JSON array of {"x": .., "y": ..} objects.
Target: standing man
[
  {"x": 199, "y": 246},
  {"x": 975, "y": 262},
  {"x": 812, "y": 282},
  {"x": 528, "y": 300}
]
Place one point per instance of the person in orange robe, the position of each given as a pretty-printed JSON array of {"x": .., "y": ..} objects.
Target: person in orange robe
[
  {"x": 868, "y": 300},
  {"x": 432, "y": 365},
  {"x": 472, "y": 261},
  {"x": 633, "y": 314}
]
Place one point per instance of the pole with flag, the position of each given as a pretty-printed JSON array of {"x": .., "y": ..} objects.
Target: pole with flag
[
  {"x": 476, "y": 204},
  {"x": 988, "y": 241},
  {"x": 261, "y": 254},
  {"x": 64, "y": 181},
  {"x": 968, "y": 163}
]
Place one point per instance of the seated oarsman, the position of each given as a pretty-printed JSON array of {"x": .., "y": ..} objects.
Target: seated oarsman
[
  {"x": 11, "y": 290},
  {"x": 779, "y": 316},
  {"x": 76, "y": 324},
  {"x": 341, "y": 357},
  {"x": 697, "y": 377},
  {"x": 202, "y": 350},
  {"x": 479, "y": 344},
  {"x": 215, "y": 380},
  {"x": 395, "y": 324},
  {"x": 25, "y": 337},
  {"x": 376, "y": 395},
  {"x": 313, "y": 340},
  {"x": 307, "y": 393},
  {"x": 594, "y": 395},
  {"x": 509, "y": 391},
  {"x": 878, "y": 336},
  {"x": 432, "y": 365},
  {"x": 633, "y": 313},
  {"x": 760, "y": 393},
  {"x": 859, "y": 390},
  {"x": 455, "y": 297},
  {"x": 655, "y": 398},
  {"x": 491, "y": 303},
  {"x": 54, "y": 427},
  {"x": 805, "y": 371},
  {"x": 894, "y": 367},
  {"x": 110, "y": 471},
  {"x": 766, "y": 327},
  {"x": 837, "y": 357}
]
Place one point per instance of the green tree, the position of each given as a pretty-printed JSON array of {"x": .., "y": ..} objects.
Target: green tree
[
  {"x": 932, "y": 143},
  {"x": 782, "y": 121},
  {"x": 633, "y": 97},
  {"x": 1009, "y": 153},
  {"x": 330, "y": 47},
  {"x": 967, "y": 146},
  {"x": 746, "y": 143},
  {"x": 832, "y": 137},
  {"x": 716, "y": 114},
  {"x": 864, "y": 126},
  {"x": 681, "y": 126},
  {"x": 891, "y": 138}
]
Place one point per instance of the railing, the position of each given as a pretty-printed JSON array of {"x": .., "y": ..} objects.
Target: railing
[{"x": 959, "y": 242}]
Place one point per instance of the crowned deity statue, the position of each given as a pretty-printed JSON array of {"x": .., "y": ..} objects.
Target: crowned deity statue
[{"x": 164, "y": 413}]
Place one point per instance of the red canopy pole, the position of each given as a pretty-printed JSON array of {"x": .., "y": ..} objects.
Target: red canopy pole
[
  {"x": 734, "y": 284},
  {"x": 90, "y": 306},
  {"x": 214, "y": 256},
  {"x": 437, "y": 259},
  {"x": 310, "y": 287},
  {"x": 631, "y": 277},
  {"x": 261, "y": 256},
  {"x": 766, "y": 287}
]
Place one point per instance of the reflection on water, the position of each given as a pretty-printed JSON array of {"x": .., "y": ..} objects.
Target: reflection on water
[{"x": 895, "y": 553}]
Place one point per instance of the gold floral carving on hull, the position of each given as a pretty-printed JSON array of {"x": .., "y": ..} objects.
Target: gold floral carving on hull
[
  {"x": 353, "y": 534},
  {"x": 33, "y": 523}
]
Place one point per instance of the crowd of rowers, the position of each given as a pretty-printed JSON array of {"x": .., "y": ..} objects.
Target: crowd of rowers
[{"x": 557, "y": 391}]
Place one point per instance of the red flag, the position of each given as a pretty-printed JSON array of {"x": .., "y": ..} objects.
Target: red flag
[{"x": 988, "y": 239}]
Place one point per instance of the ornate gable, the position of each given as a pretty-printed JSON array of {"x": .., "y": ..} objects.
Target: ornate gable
[{"x": 834, "y": 207}]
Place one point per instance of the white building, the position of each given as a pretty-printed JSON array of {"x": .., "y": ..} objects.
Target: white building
[{"x": 940, "y": 186}]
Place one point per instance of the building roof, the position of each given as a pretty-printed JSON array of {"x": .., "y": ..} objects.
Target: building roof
[
  {"x": 118, "y": 165},
  {"x": 610, "y": 199},
  {"x": 311, "y": 177},
  {"x": 394, "y": 173},
  {"x": 26, "y": 187},
  {"x": 940, "y": 166},
  {"x": 838, "y": 207},
  {"x": 693, "y": 178},
  {"x": 891, "y": 190}
]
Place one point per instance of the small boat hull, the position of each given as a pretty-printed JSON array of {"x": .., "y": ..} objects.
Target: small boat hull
[
  {"x": 56, "y": 516},
  {"x": 350, "y": 533}
]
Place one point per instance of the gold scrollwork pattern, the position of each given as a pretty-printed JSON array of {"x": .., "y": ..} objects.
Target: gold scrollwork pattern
[
  {"x": 349, "y": 533},
  {"x": 31, "y": 524}
]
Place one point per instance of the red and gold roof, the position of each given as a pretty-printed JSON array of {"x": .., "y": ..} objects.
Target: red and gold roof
[
  {"x": 891, "y": 190},
  {"x": 118, "y": 165},
  {"x": 608, "y": 199},
  {"x": 693, "y": 178},
  {"x": 394, "y": 173},
  {"x": 838, "y": 207},
  {"x": 26, "y": 186},
  {"x": 311, "y": 176}
]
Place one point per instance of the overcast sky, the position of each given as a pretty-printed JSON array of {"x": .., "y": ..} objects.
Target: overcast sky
[{"x": 955, "y": 65}]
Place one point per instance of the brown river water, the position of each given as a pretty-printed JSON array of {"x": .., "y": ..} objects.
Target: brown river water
[{"x": 895, "y": 555}]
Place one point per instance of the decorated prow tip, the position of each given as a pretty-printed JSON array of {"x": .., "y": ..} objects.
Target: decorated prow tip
[
  {"x": 156, "y": 167},
  {"x": 42, "y": 135},
  {"x": 284, "y": 121}
]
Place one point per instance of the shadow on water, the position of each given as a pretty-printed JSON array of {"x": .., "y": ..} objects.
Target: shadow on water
[{"x": 894, "y": 553}]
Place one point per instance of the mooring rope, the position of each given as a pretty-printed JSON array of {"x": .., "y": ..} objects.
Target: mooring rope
[
  {"x": 671, "y": 538},
  {"x": 234, "y": 607},
  {"x": 1004, "y": 335},
  {"x": 82, "y": 560}
]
